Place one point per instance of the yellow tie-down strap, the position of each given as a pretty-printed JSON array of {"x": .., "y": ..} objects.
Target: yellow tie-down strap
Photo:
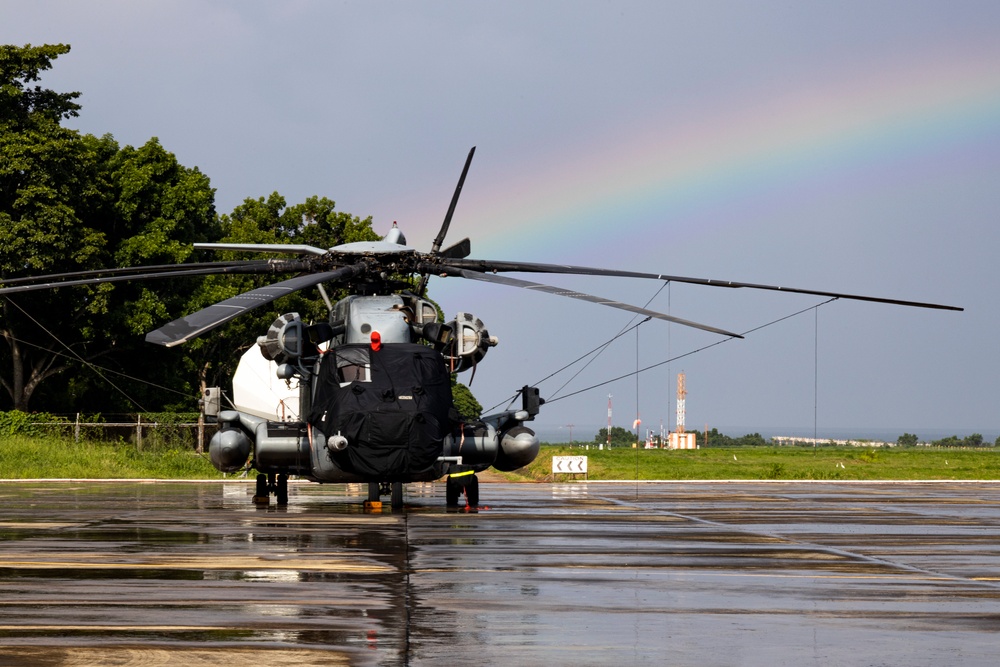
[{"x": 462, "y": 474}]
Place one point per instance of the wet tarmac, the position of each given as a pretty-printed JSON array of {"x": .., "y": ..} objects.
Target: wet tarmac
[{"x": 568, "y": 574}]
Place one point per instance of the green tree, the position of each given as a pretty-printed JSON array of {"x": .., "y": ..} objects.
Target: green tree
[
  {"x": 620, "y": 437},
  {"x": 468, "y": 407},
  {"x": 907, "y": 440},
  {"x": 716, "y": 439},
  {"x": 751, "y": 440},
  {"x": 50, "y": 180},
  {"x": 70, "y": 203}
]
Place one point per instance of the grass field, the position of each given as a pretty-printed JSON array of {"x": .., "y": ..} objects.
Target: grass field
[
  {"x": 823, "y": 463},
  {"x": 24, "y": 457}
]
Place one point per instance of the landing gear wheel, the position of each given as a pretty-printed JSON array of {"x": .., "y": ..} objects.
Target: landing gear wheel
[
  {"x": 472, "y": 491},
  {"x": 456, "y": 486},
  {"x": 451, "y": 492},
  {"x": 397, "y": 495},
  {"x": 262, "y": 495},
  {"x": 281, "y": 490},
  {"x": 373, "y": 492}
]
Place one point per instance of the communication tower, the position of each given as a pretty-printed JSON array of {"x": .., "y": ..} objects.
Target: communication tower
[
  {"x": 679, "y": 439},
  {"x": 681, "y": 394}
]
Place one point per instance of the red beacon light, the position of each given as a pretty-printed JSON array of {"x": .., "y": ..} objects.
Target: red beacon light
[{"x": 376, "y": 341}]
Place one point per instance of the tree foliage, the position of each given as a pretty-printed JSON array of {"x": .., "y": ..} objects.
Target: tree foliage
[
  {"x": 468, "y": 407},
  {"x": 73, "y": 202},
  {"x": 620, "y": 437},
  {"x": 716, "y": 439},
  {"x": 974, "y": 440}
]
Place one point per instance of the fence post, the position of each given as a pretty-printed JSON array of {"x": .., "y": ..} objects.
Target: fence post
[
  {"x": 76, "y": 429},
  {"x": 138, "y": 432},
  {"x": 201, "y": 433}
]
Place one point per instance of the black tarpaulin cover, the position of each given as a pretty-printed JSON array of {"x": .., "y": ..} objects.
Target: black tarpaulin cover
[{"x": 395, "y": 409}]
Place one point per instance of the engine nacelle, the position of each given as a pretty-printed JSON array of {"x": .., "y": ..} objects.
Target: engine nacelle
[
  {"x": 469, "y": 344},
  {"x": 518, "y": 447},
  {"x": 229, "y": 448},
  {"x": 284, "y": 340}
]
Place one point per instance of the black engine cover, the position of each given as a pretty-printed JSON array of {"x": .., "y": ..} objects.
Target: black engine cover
[{"x": 395, "y": 408}]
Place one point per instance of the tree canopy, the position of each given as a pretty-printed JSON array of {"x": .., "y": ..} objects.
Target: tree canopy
[
  {"x": 73, "y": 202},
  {"x": 620, "y": 437}
]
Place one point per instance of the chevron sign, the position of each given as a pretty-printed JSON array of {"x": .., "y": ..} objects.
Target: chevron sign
[{"x": 569, "y": 464}]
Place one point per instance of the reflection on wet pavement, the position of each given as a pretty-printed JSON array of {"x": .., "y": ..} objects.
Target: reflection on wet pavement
[{"x": 585, "y": 573}]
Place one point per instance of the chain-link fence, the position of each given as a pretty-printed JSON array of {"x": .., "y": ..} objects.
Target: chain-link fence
[{"x": 145, "y": 431}]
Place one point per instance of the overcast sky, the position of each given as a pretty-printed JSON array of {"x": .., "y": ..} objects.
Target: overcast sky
[{"x": 841, "y": 146}]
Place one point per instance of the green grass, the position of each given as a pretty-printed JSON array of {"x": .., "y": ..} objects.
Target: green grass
[
  {"x": 29, "y": 457},
  {"x": 775, "y": 463}
]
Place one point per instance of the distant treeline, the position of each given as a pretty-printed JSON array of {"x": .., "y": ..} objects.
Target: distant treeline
[{"x": 621, "y": 437}]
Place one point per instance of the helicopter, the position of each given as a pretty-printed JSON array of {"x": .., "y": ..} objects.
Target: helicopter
[{"x": 372, "y": 398}]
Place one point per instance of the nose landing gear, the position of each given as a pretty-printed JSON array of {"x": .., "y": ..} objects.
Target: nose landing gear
[
  {"x": 392, "y": 489},
  {"x": 271, "y": 483}
]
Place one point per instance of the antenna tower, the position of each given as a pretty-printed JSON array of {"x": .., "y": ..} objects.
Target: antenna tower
[{"x": 681, "y": 394}]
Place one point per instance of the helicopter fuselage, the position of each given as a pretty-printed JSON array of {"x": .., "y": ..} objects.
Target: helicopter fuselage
[{"x": 374, "y": 399}]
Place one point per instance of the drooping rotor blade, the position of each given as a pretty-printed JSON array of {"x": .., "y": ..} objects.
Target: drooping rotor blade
[
  {"x": 529, "y": 267},
  {"x": 439, "y": 239},
  {"x": 572, "y": 294},
  {"x": 290, "y": 248},
  {"x": 52, "y": 277},
  {"x": 195, "y": 324},
  {"x": 163, "y": 271}
]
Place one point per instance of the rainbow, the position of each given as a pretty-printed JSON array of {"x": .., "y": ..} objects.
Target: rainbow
[{"x": 671, "y": 174}]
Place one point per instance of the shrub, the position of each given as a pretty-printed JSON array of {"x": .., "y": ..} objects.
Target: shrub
[{"x": 16, "y": 422}]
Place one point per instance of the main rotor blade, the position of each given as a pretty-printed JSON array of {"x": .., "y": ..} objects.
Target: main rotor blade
[
  {"x": 122, "y": 271},
  {"x": 439, "y": 239},
  {"x": 288, "y": 248},
  {"x": 184, "y": 329},
  {"x": 163, "y": 271},
  {"x": 529, "y": 267},
  {"x": 572, "y": 294}
]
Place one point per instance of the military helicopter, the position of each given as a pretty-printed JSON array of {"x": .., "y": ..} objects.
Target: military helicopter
[{"x": 374, "y": 401}]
